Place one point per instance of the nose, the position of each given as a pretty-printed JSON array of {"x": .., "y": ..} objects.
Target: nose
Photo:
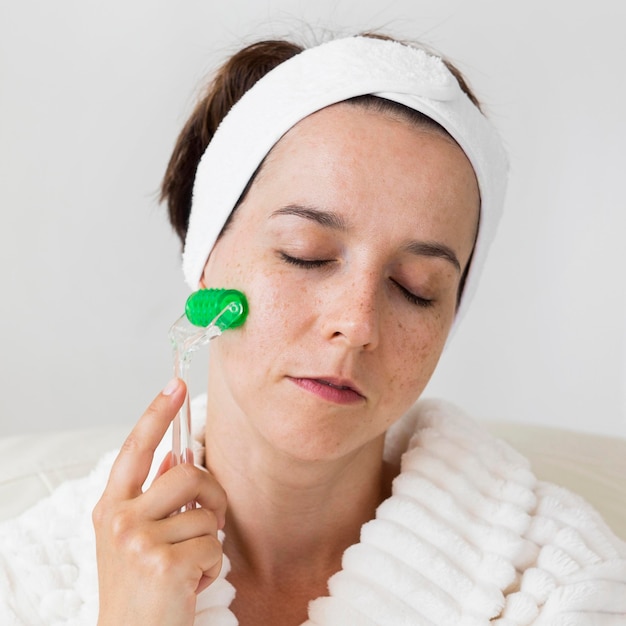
[{"x": 352, "y": 314}]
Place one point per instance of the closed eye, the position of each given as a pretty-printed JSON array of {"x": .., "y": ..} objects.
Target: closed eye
[
  {"x": 411, "y": 297},
  {"x": 317, "y": 263},
  {"x": 305, "y": 263}
]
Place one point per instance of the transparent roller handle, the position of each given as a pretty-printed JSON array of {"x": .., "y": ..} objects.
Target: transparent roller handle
[{"x": 187, "y": 337}]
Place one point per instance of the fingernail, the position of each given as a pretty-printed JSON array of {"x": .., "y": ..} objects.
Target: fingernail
[{"x": 171, "y": 387}]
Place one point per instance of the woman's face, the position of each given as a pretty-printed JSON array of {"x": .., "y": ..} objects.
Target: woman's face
[{"x": 350, "y": 246}]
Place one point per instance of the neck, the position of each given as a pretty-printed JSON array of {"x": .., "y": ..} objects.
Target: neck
[{"x": 285, "y": 513}]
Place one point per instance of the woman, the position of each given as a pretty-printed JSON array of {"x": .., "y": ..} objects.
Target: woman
[{"x": 351, "y": 194}]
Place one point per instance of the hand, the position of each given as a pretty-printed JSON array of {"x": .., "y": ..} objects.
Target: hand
[{"x": 152, "y": 564}]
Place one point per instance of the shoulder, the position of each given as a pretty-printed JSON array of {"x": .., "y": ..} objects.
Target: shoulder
[
  {"x": 566, "y": 565},
  {"x": 576, "y": 569}
]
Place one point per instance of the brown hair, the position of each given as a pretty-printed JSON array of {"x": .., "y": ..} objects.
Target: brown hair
[
  {"x": 228, "y": 85},
  {"x": 230, "y": 82}
]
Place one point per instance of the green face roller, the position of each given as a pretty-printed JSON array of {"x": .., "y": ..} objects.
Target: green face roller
[{"x": 208, "y": 313}]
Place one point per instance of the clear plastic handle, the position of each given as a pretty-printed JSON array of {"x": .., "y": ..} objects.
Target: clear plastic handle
[{"x": 186, "y": 338}]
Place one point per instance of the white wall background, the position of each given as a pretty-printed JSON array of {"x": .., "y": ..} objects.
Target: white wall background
[{"x": 92, "y": 95}]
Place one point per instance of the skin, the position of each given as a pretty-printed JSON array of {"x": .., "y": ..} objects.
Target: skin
[{"x": 385, "y": 214}]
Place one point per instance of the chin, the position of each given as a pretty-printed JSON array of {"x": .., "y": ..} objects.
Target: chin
[{"x": 319, "y": 443}]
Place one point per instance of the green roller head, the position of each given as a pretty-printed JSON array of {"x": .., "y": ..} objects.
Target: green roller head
[{"x": 205, "y": 305}]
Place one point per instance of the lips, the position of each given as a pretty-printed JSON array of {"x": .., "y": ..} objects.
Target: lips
[
  {"x": 335, "y": 390},
  {"x": 338, "y": 384}
]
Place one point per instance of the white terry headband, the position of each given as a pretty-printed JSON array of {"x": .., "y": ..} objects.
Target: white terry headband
[{"x": 325, "y": 75}]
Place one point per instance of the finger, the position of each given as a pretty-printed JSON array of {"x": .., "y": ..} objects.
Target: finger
[
  {"x": 181, "y": 484},
  {"x": 209, "y": 576},
  {"x": 205, "y": 553},
  {"x": 133, "y": 462},
  {"x": 212, "y": 496},
  {"x": 166, "y": 464},
  {"x": 188, "y": 525}
]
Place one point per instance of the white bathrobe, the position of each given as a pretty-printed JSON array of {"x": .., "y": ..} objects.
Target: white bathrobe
[{"x": 469, "y": 537}]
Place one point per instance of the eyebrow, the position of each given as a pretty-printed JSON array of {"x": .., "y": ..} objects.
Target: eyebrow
[
  {"x": 433, "y": 249},
  {"x": 327, "y": 219},
  {"x": 331, "y": 220}
]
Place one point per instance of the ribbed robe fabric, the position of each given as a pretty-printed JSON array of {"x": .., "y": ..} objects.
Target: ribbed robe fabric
[{"x": 469, "y": 537}]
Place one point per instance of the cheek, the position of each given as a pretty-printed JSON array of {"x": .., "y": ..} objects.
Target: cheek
[
  {"x": 275, "y": 318},
  {"x": 414, "y": 352},
  {"x": 277, "y": 301}
]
